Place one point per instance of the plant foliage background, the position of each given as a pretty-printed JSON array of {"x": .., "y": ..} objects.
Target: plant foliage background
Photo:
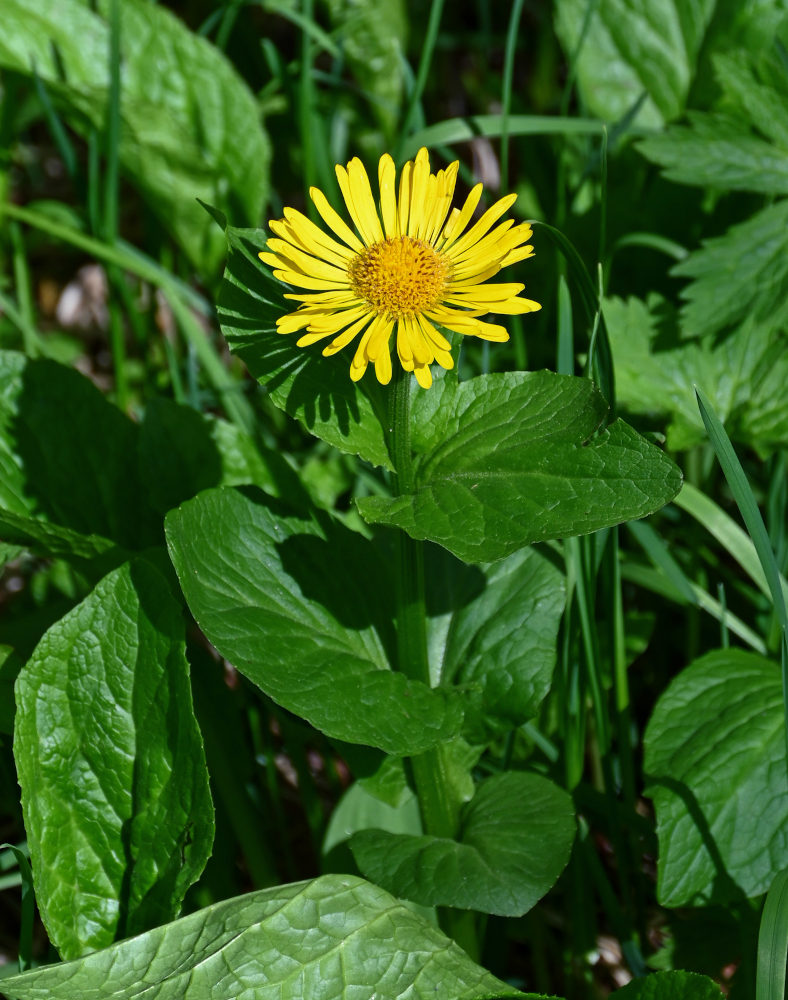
[{"x": 220, "y": 774}]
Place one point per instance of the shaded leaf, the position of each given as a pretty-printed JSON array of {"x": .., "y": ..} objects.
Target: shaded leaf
[
  {"x": 716, "y": 770},
  {"x": 676, "y": 985},
  {"x": 287, "y": 600},
  {"x": 334, "y": 937},
  {"x": 317, "y": 391},
  {"x": 190, "y": 125},
  {"x": 511, "y": 459},
  {"x": 499, "y": 865},
  {"x": 492, "y": 629},
  {"x": 183, "y": 452},
  {"x": 68, "y": 458},
  {"x": 114, "y": 785}
]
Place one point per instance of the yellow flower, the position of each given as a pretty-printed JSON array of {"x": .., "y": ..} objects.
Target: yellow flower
[{"x": 409, "y": 267}]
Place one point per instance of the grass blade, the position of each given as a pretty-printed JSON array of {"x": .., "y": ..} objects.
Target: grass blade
[{"x": 773, "y": 942}]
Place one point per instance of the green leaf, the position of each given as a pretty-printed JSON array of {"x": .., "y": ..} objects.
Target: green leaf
[
  {"x": 189, "y": 124},
  {"x": 676, "y": 985},
  {"x": 183, "y": 451},
  {"x": 773, "y": 941},
  {"x": 510, "y": 459},
  {"x": 741, "y": 274},
  {"x": 68, "y": 458},
  {"x": 716, "y": 770},
  {"x": 718, "y": 151},
  {"x": 110, "y": 761},
  {"x": 373, "y": 37},
  {"x": 54, "y": 539},
  {"x": 500, "y": 864},
  {"x": 317, "y": 391},
  {"x": 627, "y": 48},
  {"x": 10, "y": 665},
  {"x": 287, "y": 599},
  {"x": 359, "y": 809},
  {"x": 492, "y": 629},
  {"x": 745, "y": 374},
  {"x": 333, "y": 937}
]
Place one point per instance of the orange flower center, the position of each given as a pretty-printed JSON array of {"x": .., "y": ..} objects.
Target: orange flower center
[{"x": 399, "y": 276}]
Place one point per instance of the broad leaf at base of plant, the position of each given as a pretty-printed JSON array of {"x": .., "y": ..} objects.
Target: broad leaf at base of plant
[
  {"x": 111, "y": 765},
  {"x": 334, "y": 937}
]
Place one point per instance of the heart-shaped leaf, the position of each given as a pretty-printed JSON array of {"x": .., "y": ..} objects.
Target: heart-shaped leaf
[
  {"x": 500, "y": 864},
  {"x": 511, "y": 459},
  {"x": 287, "y": 599}
]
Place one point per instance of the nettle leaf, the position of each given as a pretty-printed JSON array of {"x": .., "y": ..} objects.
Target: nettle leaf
[
  {"x": 110, "y": 761},
  {"x": 287, "y": 599},
  {"x": 744, "y": 375},
  {"x": 333, "y": 937},
  {"x": 631, "y": 48},
  {"x": 317, "y": 391},
  {"x": 183, "y": 451},
  {"x": 718, "y": 151},
  {"x": 721, "y": 149},
  {"x": 183, "y": 108},
  {"x": 493, "y": 629},
  {"x": 512, "y": 459},
  {"x": 716, "y": 770},
  {"x": 499, "y": 864},
  {"x": 743, "y": 274},
  {"x": 68, "y": 460},
  {"x": 675, "y": 985}
]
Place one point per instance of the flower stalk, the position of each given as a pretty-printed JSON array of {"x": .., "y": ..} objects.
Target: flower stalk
[{"x": 439, "y": 808}]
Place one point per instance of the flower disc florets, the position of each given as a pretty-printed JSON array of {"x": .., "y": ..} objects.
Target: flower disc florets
[
  {"x": 399, "y": 276},
  {"x": 413, "y": 264}
]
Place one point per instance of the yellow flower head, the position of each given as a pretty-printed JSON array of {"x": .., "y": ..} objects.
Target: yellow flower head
[{"x": 410, "y": 268}]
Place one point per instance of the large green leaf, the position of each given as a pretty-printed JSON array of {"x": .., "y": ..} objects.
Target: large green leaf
[
  {"x": 332, "y": 938},
  {"x": 492, "y": 629},
  {"x": 674, "y": 985},
  {"x": 288, "y": 600},
  {"x": 716, "y": 769},
  {"x": 114, "y": 785},
  {"x": 68, "y": 457},
  {"x": 315, "y": 390},
  {"x": 511, "y": 459},
  {"x": 745, "y": 375},
  {"x": 628, "y": 48},
  {"x": 189, "y": 124},
  {"x": 502, "y": 862}
]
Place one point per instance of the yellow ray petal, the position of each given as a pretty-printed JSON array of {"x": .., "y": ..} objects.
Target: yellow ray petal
[
  {"x": 423, "y": 375},
  {"x": 436, "y": 339},
  {"x": 308, "y": 232},
  {"x": 346, "y": 336},
  {"x": 307, "y": 281},
  {"x": 421, "y": 174},
  {"x": 443, "y": 201},
  {"x": 455, "y": 247},
  {"x": 458, "y": 220},
  {"x": 334, "y": 221},
  {"x": 403, "y": 205},
  {"x": 352, "y": 185},
  {"x": 293, "y": 257},
  {"x": 388, "y": 196}
]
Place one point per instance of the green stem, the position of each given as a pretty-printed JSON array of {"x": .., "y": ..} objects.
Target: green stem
[{"x": 439, "y": 809}]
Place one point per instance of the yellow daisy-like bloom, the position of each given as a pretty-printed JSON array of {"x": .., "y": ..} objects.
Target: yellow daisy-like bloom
[{"x": 409, "y": 267}]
